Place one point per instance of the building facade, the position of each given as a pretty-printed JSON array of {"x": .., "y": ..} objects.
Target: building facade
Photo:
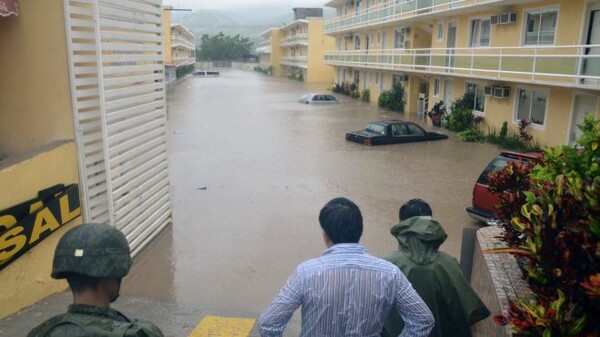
[
  {"x": 179, "y": 47},
  {"x": 537, "y": 59},
  {"x": 83, "y": 118},
  {"x": 296, "y": 50}
]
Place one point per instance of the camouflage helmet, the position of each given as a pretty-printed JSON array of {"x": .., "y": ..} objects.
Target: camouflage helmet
[{"x": 92, "y": 249}]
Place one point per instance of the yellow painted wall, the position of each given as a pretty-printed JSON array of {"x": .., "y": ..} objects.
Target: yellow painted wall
[
  {"x": 27, "y": 280},
  {"x": 318, "y": 43},
  {"x": 166, "y": 24},
  {"x": 35, "y": 95},
  {"x": 276, "y": 52}
]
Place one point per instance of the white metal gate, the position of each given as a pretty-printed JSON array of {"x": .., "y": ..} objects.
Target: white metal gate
[{"x": 118, "y": 99}]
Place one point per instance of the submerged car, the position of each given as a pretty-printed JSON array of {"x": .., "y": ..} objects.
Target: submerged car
[
  {"x": 484, "y": 201},
  {"x": 207, "y": 73},
  {"x": 318, "y": 99},
  {"x": 392, "y": 132}
]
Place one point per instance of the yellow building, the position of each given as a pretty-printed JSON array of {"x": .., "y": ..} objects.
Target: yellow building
[
  {"x": 179, "y": 47},
  {"x": 537, "y": 60},
  {"x": 82, "y": 105},
  {"x": 296, "y": 50}
]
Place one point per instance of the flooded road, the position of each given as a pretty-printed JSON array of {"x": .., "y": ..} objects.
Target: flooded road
[{"x": 250, "y": 170}]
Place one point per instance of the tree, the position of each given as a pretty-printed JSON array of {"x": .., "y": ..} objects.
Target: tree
[{"x": 223, "y": 47}]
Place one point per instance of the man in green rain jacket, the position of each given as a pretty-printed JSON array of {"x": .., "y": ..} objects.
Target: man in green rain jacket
[{"x": 435, "y": 275}]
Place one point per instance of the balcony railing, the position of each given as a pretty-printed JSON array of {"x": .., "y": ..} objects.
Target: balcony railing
[
  {"x": 555, "y": 65},
  {"x": 184, "y": 61},
  {"x": 263, "y": 49},
  {"x": 299, "y": 39},
  {"x": 396, "y": 10},
  {"x": 295, "y": 61},
  {"x": 178, "y": 41}
]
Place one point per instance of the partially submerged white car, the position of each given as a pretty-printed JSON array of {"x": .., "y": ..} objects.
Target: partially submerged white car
[{"x": 318, "y": 99}]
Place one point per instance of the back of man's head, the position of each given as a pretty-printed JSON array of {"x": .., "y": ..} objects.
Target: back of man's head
[
  {"x": 342, "y": 221},
  {"x": 414, "y": 207}
]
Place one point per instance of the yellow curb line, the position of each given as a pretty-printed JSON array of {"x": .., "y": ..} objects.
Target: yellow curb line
[{"x": 214, "y": 326}]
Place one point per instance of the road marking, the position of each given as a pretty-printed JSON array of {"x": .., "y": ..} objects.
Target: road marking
[{"x": 214, "y": 326}]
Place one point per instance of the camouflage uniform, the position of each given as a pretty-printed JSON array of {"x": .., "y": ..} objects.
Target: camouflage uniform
[{"x": 101, "y": 251}]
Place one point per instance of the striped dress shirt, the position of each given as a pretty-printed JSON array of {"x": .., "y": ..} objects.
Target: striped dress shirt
[{"x": 346, "y": 292}]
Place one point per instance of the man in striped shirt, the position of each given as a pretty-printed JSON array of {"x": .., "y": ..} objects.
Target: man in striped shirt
[{"x": 346, "y": 292}]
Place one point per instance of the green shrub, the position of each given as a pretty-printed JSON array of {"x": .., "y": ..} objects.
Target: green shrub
[
  {"x": 504, "y": 130},
  {"x": 551, "y": 216},
  {"x": 392, "y": 99},
  {"x": 471, "y": 136},
  {"x": 461, "y": 119},
  {"x": 365, "y": 95}
]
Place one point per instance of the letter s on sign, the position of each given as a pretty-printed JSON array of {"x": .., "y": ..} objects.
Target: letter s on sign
[{"x": 11, "y": 242}]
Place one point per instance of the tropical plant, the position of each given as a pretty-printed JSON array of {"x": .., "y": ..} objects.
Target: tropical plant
[
  {"x": 551, "y": 215},
  {"x": 223, "y": 47},
  {"x": 365, "y": 95},
  {"x": 392, "y": 99},
  {"x": 472, "y": 136}
]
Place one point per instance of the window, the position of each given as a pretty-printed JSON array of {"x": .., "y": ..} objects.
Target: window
[
  {"x": 399, "y": 130},
  {"x": 397, "y": 78},
  {"x": 414, "y": 130},
  {"x": 356, "y": 77},
  {"x": 477, "y": 91},
  {"x": 356, "y": 42},
  {"x": 436, "y": 87},
  {"x": 540, "y": 27},
  {"x": 399, "y": 38},
  {"x": 439, "y": 33},
  {"x": 531, "y": 105},
  {"x": 480, "y": 33}
]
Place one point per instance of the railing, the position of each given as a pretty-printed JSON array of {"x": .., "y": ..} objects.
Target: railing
[
  {"x": 295, "y": 61},
  {"x": 397, "y": 10},
  {"x": 556, "y": 65},
  {"x": 184, "y": 61},
  {"x": 294, "y": 40},
  {"x": 178, "y": 41}
]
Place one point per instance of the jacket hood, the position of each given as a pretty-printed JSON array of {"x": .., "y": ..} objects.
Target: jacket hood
[{"x": 419, "y": 238}]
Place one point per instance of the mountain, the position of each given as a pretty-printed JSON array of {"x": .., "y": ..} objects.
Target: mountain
[{"x": 247, "y": 23}]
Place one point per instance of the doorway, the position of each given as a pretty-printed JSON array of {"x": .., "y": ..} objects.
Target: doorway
[
  {"x": 591, "y": 65},
  {"x": 451, "y": 44},
  {"x": 582, "y": 105},
  {"x": 448, "y": 88}
]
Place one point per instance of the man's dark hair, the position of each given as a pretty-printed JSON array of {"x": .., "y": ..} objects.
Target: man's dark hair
[
  {"x": 342, "y": 221},
  {"x": 80, "y": 283},
  {"x": 414, "y": 207}
]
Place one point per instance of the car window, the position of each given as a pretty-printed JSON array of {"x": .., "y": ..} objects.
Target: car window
[
  {"x": 414, "y": 130},
  {"x": 494, "y": 166},
  {"x": 329, "y": 98},
  {"x": 380, "y": 129},
  {"x": 399, "y": 130}
]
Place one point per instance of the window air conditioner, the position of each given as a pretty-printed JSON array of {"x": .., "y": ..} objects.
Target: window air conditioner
[
  {"x": 488, "y": 91},
  {"x": 494, "y": 19},
  {"x": 506, "y": 18},
  {"x": 501, "y": 92}
]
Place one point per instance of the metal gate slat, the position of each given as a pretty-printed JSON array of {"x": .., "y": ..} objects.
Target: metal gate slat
[
  {"x": 152, "y": 230},
  {"x": 149, "y": 178},
  {"x": 135, "y": 6},
  {"x": 130, "y": 37},
  {"x": 109, "y": 12},
  {"x": 141, "y": 213},
  {"x": 125, "y": 134},
  {"x": 133, "y": 90},
  {"x": 142, "y": 194},
  {"x": 141, "y": 108},
  {"x": 122, "y": 104},
  {"x": 141, "y": 164},
  {"x": 113, "y": 70},
  {"x": 138, "y": 144}
]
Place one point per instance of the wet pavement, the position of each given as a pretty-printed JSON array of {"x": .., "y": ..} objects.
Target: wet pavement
[{"x": 250, "y": 170}]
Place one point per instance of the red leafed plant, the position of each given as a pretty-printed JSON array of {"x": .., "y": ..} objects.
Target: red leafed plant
[{"x": 551, "y": 215}]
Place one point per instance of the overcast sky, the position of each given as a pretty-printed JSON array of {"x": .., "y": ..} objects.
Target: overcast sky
[{"x": 236, "y": 4}]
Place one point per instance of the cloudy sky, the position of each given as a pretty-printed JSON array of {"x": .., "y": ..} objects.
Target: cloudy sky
[{"x": 237, "y": 4}]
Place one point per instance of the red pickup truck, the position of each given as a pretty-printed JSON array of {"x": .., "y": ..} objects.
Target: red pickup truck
[{"x": 484, "y": 201}]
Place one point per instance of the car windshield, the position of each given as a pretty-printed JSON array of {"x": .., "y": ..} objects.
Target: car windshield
[
  {"x": 496, "y": 165},
  {"x": 304, "y": 97},
  {"x": 376, "y": 128}
]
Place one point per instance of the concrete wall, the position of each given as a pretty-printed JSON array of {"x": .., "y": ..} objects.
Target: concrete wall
[
  {"x": 166, "y": 24},
  {"x": 34, "y": 87},
  {"x": 27, "y": 280},
  {"x": 318, "y": 43}
]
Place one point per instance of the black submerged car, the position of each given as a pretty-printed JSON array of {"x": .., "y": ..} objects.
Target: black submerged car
[{"x": 391, "y": 132}]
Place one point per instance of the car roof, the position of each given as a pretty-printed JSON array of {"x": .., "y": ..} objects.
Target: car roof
[
  {"x": 522, "y": 155},
  {"x": 387, "y": 122}
]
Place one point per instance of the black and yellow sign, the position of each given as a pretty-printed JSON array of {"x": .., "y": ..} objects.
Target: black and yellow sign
[{"x": 27, "y": 224}]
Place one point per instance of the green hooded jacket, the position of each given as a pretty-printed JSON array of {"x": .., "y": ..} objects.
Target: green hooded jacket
[
  {"x": 86, "y": 320},
  {"x": 436, "y": 277}
]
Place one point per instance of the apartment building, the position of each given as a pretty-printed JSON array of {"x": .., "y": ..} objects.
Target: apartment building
[
  {"x": 179, "y": 47},
  {"x": 297, "y": 49},
  {"x": 532, "y": 59},
  {"x": 83, "y": 119}
]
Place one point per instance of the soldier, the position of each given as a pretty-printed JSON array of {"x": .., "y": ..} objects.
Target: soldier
[{"x": 93, "y": 258}]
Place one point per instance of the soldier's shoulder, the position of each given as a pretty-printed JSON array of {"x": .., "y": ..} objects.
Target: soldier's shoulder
[{"x": 56, "y": 326}]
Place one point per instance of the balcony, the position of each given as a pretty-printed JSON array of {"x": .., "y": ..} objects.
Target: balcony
[
  {"x": 265, "y": 49},
  {"x": 295, "y": 61},
  {"x": 394, "y": 11},
  {"x": 178, "y": 41},
  {"x": 298, "y": 39},
  {"x": 567, "y": 66}
]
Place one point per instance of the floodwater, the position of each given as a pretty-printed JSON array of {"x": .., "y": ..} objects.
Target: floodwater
[{"x": 250, "y": 170}]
